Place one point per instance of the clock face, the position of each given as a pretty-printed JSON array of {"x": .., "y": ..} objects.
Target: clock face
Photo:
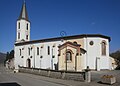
[
  {"x": 63, "y": 33},
  {"x": 91, "y": 43}
]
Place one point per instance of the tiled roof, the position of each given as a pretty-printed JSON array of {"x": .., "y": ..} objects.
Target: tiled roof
[
  {"x": 74, "y": 44},
  {"x": 65, "y": 38}
]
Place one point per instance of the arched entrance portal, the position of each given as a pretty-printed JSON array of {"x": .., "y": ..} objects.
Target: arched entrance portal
[{"x": 28, "y": 63}]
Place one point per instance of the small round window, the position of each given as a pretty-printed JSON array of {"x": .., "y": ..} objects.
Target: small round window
[{"x": 91, "y": 43}]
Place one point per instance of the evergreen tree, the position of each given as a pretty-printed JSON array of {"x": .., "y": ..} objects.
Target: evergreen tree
[{"x": 9, "y": 55}]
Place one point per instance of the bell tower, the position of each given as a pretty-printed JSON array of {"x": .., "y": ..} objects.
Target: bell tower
[{"x": 23, "y": 26}]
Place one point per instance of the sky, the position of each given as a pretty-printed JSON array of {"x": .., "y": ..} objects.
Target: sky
[{"x": 49, "y": 17}]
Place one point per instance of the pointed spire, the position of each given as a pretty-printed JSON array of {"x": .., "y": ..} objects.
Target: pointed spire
[{"x": 23, "y": 14}]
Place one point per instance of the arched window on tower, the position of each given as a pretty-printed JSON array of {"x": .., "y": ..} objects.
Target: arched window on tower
[
  {"x": 103, "y": 45},
  {"x": 18, "y": 35},
  {"x": 19, "y": 25},
  {"x": 68, "y": 56},
  {"x": 27, "y": 37},
  {"x": 27, "y": 26}
]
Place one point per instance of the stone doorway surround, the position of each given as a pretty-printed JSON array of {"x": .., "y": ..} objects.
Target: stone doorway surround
[{"x": 72, "y": 51}]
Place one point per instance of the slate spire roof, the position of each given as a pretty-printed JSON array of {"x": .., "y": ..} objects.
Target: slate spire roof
[{"x": 23, "y": 13}]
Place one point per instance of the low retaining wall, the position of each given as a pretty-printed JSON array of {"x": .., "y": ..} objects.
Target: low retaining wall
[{"x": 68, "y": 75}]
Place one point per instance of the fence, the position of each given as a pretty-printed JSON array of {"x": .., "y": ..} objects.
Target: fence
[{"x": 68, "y": 75}]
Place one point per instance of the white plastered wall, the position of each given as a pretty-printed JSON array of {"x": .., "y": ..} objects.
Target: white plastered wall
[
  {"x": 94, "y": 53},
  {"x": 45, "y": 62},
  {"x": 23, "y": 30}
]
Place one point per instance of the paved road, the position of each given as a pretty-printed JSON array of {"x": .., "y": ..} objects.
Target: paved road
[
  {"x": 96, "y": 77},
  {"x": 8, "y": 78}
]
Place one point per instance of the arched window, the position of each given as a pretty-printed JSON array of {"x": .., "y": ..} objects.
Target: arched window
[
  {"x": 27, "y": 26},
  {"x": 28, "y": 51},
  {"x": 103, "y": 45},
  {"x": 68, "y": 56},
  {"x": 18, "y": 35},
  {"x": 20, "y": 52},
  {"x": 27, "y": 37},
  {"x": 48, "y": 50},
  {"x": 19, "y": 25},
  {"x": 75, "y": 42},
  {"x": 37, "y": 50}
]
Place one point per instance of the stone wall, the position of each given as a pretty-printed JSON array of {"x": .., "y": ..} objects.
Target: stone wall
[{"x": 68, "y": 75}]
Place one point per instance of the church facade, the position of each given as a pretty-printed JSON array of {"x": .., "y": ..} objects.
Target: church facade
[{"x": 73, "y": 53}]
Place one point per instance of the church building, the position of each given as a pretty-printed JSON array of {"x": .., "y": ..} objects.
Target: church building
[{"x": 71, "y": 53}]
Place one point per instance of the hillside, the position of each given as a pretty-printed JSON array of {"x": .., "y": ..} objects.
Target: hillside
[
  {"x": 2, "y": 57},
  {"x": 116, "y": 55}
]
